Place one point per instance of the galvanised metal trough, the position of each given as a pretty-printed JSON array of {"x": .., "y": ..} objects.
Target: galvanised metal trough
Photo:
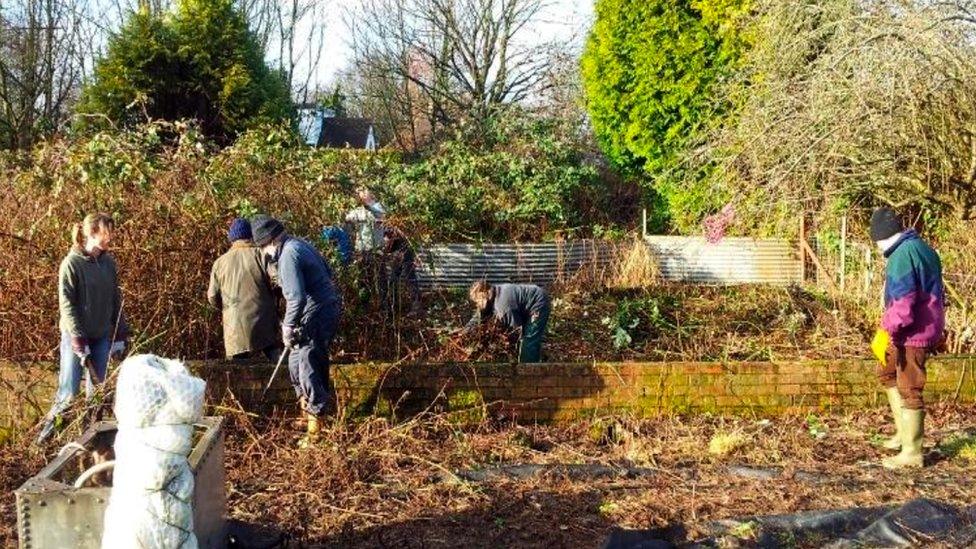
[{"x": 52, "y": 513}]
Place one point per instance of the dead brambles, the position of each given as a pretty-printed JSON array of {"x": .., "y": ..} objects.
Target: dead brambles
[{"x": 414, "y": 483}]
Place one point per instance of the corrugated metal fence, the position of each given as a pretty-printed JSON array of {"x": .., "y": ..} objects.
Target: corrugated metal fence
[
  {"x": 680, "y": 259},
  {"x": 729, "y": 261},
  {"x": 458, "y": 265}
]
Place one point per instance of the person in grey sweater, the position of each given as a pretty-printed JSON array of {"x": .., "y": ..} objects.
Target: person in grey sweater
[
  {"x": 312, "y": 310},
  {"x": 90, "y": 305},
  {"x": 521, "y": 308}
]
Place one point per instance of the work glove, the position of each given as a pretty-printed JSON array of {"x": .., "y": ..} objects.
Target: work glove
[
  {"x": 289, "y": 337},
  {"x": 879, "y": 344},
  {"x": 79, "y": 346},
  {"x": 118, "y": 349}
]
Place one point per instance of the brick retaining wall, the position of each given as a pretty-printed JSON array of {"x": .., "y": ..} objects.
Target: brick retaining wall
[{"x": 545, "y": 392}]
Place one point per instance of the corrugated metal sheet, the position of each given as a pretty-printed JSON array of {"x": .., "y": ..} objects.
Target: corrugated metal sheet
[
  {"x": 681, "y": 259},
  {"x": 730, "y": 261},
  {"x": 458, "y": 265}
]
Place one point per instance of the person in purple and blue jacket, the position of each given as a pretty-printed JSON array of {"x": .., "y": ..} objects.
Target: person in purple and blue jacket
[{"x": 914, "y": 317}]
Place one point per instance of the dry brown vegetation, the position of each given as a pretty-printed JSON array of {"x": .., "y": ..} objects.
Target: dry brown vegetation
[{"x": 374, "y": 483}]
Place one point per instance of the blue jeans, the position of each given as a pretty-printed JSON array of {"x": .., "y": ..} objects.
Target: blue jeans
[
  {"x": 69, "y": 380},
  {"x": 308, "y": 365}
]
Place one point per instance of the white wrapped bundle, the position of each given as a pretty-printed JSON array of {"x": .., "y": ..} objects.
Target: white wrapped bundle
[{"x": 157, "y": 402}]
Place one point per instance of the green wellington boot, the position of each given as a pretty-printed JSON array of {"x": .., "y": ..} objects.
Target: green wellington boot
[
  {"x": 911, "y": 441},
  {"x": 894, "y": 401}
]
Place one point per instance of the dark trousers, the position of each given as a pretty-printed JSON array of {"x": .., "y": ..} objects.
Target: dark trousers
[
  {"x": 402, "y": 269},
  {"x": 308, "y": 364},
  {"x": 372, "y": 273},
  {"x": 532, "y": 335},
  {"x": 905, "y": 368},
  {"x": 272, "y": 353}
]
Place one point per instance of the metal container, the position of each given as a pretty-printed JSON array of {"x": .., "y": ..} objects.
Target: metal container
[{"x": 53, "y": 514}]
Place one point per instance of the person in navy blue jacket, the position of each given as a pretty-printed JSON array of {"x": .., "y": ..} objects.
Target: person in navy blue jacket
[{"x": 312, "y": 311}]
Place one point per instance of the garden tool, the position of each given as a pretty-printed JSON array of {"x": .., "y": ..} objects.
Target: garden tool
[
  {"x": 93, "y": 378},
  {"x": 912, "y": 422},
  {"x": 281, "y": 359}
]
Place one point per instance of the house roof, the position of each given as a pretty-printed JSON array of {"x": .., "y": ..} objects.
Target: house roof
[{"x": 345, "y": 132}]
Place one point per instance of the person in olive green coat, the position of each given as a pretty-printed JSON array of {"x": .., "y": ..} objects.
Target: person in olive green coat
[
  {"x": 90, "y": 304},
  {"x": 241, "y": 288}
]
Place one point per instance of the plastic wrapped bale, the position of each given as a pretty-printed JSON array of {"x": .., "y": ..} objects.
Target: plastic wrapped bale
[{"x": 157, "y": 402}]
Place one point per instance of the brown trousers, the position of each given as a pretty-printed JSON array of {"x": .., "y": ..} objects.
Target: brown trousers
[{"x": 905, "y": 368}]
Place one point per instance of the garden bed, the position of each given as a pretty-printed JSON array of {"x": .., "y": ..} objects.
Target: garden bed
[
  {"x": 414, "y": 484},
  {"x": 660, "y": 323}
]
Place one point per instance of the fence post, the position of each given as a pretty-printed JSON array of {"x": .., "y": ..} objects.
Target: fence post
[
  {"x": 868, "y": 268},
  {"x": 803, "y": 251},
  {"x": 843, "y": 253}
]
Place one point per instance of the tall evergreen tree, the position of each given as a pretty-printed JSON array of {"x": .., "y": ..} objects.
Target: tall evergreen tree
[{"x": 199, "y": 62}]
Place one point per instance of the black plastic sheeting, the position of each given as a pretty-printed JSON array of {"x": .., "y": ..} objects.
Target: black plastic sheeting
[
  {"x": 244, "y": 535},
  {"x": 570, "y": 471},
  {"x": 915, "y": 524}
]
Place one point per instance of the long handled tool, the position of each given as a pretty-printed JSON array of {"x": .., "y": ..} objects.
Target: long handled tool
[{"x": 281, "y": 359}]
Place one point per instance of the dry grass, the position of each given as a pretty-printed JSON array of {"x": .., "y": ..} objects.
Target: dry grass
[
  {"x": 374, "y": 483},
  {"x": 635, "y": 266},
  {"x": 379, "y": 484}
]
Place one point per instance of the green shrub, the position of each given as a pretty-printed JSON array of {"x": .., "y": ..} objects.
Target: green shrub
[
  {"x": 158, "y": 68},
  {"x": 648, "y": 70},
  {"x": 528, "y": 179}
]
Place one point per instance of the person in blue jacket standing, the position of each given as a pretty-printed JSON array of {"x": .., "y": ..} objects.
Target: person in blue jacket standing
[
  {"x": 312, "y": 311},
  {"x": 338, "y": 237}
]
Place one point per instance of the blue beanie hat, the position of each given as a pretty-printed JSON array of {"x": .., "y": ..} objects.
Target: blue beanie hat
[{"x": 240, "y": 229}]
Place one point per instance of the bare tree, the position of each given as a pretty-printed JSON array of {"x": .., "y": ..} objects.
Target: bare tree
[
  {"x": 44, "y": 45},
  {"x": 452, "y": 60},
  {"x": 845, "y": 101},
  {"x": 299, "y": 29}
]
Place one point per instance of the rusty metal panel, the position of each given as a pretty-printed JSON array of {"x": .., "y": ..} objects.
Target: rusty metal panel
[
  {"x": 730, "y": 261},
  {"x": 53, "y": 514}
]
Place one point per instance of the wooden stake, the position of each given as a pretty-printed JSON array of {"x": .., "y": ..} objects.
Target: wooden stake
[
  {"x": 803, "y": 255},
  {"x": 820, "y": 268},
  {"x": 843, "y": 253}
]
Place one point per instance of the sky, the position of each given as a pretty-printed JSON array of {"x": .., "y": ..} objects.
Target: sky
[{"x": 560, "y": 19}]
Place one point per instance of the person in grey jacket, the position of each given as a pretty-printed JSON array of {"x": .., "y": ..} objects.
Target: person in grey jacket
[
  {"x": 522, "y": 308},
  {"x": 312, "y": 310},
  {"x": 90, "y": 304}
]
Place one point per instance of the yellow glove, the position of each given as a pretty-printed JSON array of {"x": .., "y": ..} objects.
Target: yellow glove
[{"x": 879, "y": 345}]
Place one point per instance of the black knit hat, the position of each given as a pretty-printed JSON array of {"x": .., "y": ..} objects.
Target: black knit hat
[
  {"x": 885, "y": 224},
  {"x": 265, "y": 229}
]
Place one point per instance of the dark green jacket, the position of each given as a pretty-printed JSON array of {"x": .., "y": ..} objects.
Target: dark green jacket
[
  {"x": 241, "y": 288},
  {"x": 88, "y": 295}
]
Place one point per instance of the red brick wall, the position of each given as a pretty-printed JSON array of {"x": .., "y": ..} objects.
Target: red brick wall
[{"x": 543, "y": 392}]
